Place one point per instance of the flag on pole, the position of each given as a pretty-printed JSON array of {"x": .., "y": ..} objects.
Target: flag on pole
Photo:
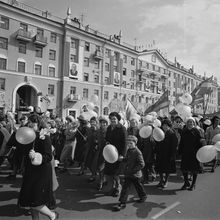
[
  {"x": 130, "y": 110},
  {"x": 162, "y": 102},
  {"x": 205, "y": 87}
]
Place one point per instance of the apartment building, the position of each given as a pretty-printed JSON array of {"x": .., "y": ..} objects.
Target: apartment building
[{"x": 58, "y": 64}]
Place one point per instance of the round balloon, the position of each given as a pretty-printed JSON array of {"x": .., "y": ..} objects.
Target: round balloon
[
  {"x": 94, "y": 99},
  {"x": 157, "y": 123},
  {"x": 90, "y": 105},
  {"x": 149, "y": 118},
  {"x": 145, "y": 131},
  {"x": 25, "y": 135},
  {"x": 158, "y": 134},
  {"x": 186, "y": 98},
  {"x": 216, "y": 138},
  {"x": 206, "y": 154},
  {"x": 217, "y": 145},
  {"x": 179, "y": 108},
  {"x": 110, "y": 153}
]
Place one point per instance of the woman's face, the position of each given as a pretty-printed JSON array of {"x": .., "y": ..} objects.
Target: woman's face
[
  {"x": 93, "y": 123},
  {"x": 103, "y": 125},
  {"x": 190, "y": 124},
  {"x": 133, "y": 123},
  {"x": 114, "y": 120},
  {"x": 33, "y": 125}
]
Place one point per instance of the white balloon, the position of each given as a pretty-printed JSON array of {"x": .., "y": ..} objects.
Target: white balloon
[
  {"x": 179, "y": 108},
  {"x": 206, "y": 154},
  {"x": 149, "y": 118},
  {"x": 110, "y": 153},
  {"x": 90, "y": 105},
  {"x": 216, "y": 138},
  {"x": 94, "y": 99},
  {"x": 89, "y": 114},
  {"x": 217, "y": 145},
  {"x": 145, "y": 131},
  {"x": 186, "y": 98},
  {"x": 158, "y": 134},
  {"x": 154, "y": 114},
  {"x": 186, "y": 111},
  {"x": 157, "y": 123}
]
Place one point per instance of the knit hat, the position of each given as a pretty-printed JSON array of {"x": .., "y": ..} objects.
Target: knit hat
[
  {"x": 191, "y": 118},
  {"x": 132, "y": 138}
]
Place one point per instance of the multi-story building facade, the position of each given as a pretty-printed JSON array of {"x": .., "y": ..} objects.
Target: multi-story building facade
[{"x": 58, "y": 64}]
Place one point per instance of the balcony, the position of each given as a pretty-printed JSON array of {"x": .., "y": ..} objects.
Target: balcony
[
  {"x": 73, "y": 98},
  {"x": 40, "y": 40},
  {"x": 98, "y": 55},
  {"x": 23, "y": 35}
]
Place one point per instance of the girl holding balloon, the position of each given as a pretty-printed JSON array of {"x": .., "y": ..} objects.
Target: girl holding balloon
[{"x": 36, "y": 190}]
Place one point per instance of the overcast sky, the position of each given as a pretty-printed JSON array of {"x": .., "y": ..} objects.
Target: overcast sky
[{"x": 186, "y": 29}]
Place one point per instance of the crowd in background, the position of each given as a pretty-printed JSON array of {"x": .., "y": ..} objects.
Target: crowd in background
[{"x": 81, "y": 142}]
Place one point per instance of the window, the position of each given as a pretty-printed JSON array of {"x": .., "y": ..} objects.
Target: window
[
  {"x": 51, "y": 71},
  {"x": 85, "y": 93},
  {"x": 86, "y": 77},
  {"x": 132, "y": 61},
  {"x": 50, "y": 89},
  {"x": 107, "y": 53},
  {"x": 53, "y": 37},
  {"x": 22, "y": 47},
  {"x": 132, "y": 85},
  {"x": 96, "y": 92},
  {"x": 73, "y": 58},
  {"x": 86, "y": 61},
  {"x": 106, "y": 111},
  {"x": 97, "y": 64},
  {"x": 106, "y": 95},
  {"x": 40, "y": 32},
  {"x": 3, "y": 63},
  {"x": 37, "y": 69},
  {"x": 124, "y": 84},
  {"x": 115, "y": 95},
  {"x": 73, "y": 43},
  {"x": 140, "y": 98},
  {"x": 3, "y": 43},
  {"x": 2, "y": 84},
  {"x": 73, "y": 90},
  {"x": 132, "y": 73},
  {"x": 98, "y": 48},
  {"x": 96, "y": 79},
  {"x": 39, "y": 52},
  {"x": 87, "y": 46},
  {"x": 52, "y": 55},
  {"x": 21, "y": 66},
  {"x": 116, "y": 55},
  {"x": 107, "y": 67},
  {"x": 125, "y": 58},
  {"x": 106, "y": 80},
  {"x": 124, "y": 71},
  {"x": 24, "y": 27},
  {"x": 4, "y": 22}
]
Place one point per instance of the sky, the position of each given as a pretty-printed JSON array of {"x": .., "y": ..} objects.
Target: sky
[{"x": 186, "y": 29}]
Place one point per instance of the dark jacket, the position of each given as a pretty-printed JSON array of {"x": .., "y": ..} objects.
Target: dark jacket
[
  {"x": 134, "y": 163},
  {"x": 117, "y": 137}
]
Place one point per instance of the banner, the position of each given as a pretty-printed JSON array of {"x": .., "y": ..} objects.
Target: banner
[
  {"x": 162, "y": 102},
  {"x": 205, "y": 87},
  {"x": 130, "y": 110}
]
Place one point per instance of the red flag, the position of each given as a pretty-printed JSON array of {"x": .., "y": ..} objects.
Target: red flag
[
  {"x": 130, "y": 110},
  {"x": 205, "y": 87},
  {"x": 162, "y": 102}
]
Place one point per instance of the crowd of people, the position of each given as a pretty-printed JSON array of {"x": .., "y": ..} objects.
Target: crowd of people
[{"x": 79, "y": 141}]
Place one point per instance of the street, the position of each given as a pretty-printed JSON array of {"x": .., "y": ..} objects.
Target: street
[{"x": 78, "y": 199}]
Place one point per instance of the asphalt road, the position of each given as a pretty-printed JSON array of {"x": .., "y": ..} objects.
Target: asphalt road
[{"x": 78, "y": 199}]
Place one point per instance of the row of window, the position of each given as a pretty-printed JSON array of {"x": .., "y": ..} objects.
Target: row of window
[
  {"x": 21, "y": 67},
  {"x": 4, "y": 24},
  {"x": 22, "y": 48}
]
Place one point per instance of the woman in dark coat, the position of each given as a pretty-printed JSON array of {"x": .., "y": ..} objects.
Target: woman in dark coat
[
  {"x": 115, "y": 135},
  {"x": 36, "y": 190},
  {"x": 81, "y": 143},
  {"x": 165, "y": 154},
  {"x": 191, "y": 141}
]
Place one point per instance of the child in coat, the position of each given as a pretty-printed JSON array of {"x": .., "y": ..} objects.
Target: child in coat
[{"x": 134, "y": 163}]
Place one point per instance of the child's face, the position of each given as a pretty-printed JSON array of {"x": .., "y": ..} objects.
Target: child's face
[{"x": 131, "y": 144}]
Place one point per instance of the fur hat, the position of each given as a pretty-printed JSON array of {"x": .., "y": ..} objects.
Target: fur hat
[
  {"x": 70, "y": 118},
  {"x": 115, "y": 114}
]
